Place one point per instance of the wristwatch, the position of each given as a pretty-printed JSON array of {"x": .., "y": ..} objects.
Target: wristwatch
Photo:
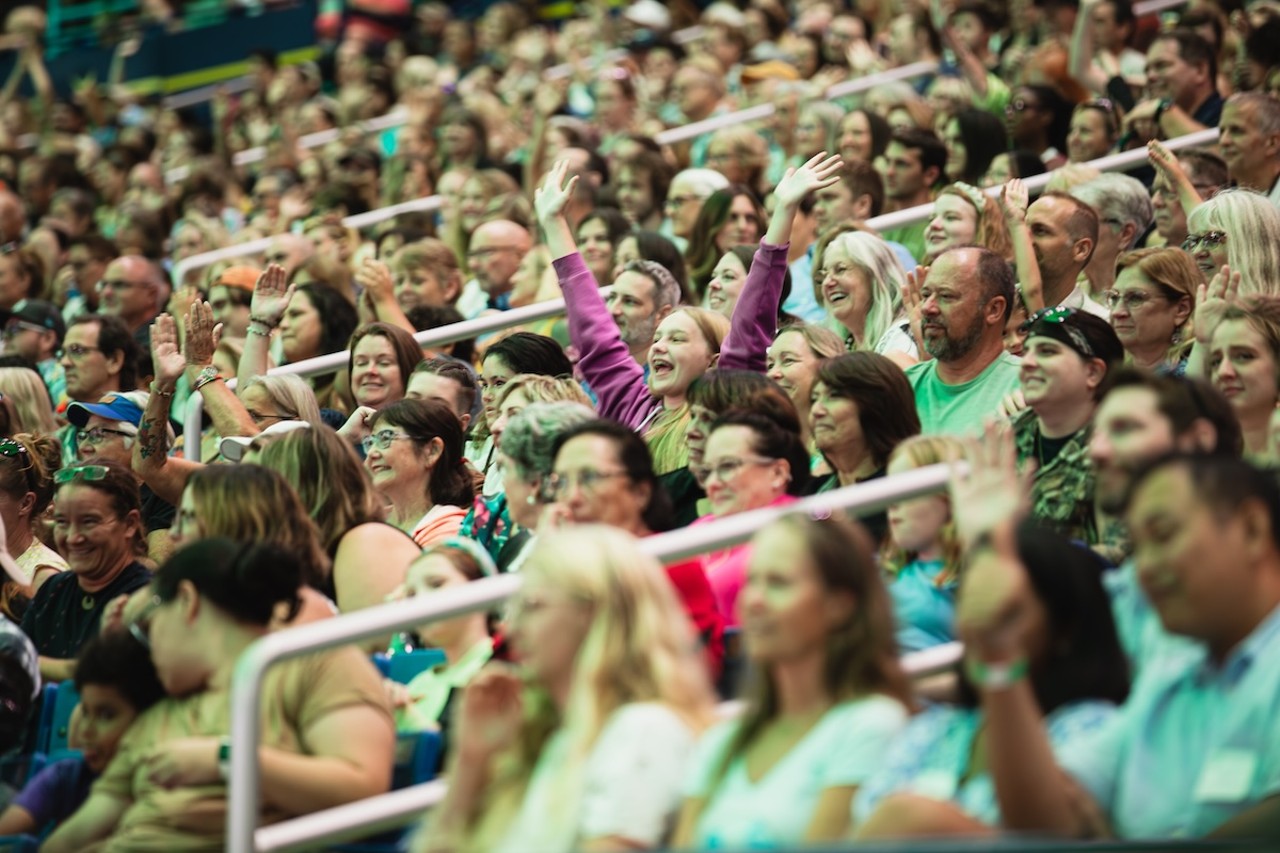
[
  {"x": 207, "y": 374},
  {"x": 224, "y": 758}
]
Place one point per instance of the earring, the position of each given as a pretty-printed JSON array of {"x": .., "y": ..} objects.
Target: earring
[
  {"x": 530, "y": 499},
  {"x": 1177, "y": 337}
]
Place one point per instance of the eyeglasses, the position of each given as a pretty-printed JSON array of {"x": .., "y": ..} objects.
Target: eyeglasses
[
  {"x": 676, "y": 201},
  {"x": 559, "y": 485},
  {"x": 838, "y": 271},
  {"x": 1133, "y": 300},
  {"x": 97, "y": 435},
  {"x": 729, "y": 468},
  {"x": 1209, "y": 240},
  {"x": 75, "y": 352},
  {"x": 84, "y": 473},
  {"x": 382, "y": 439},
  {"x": 258, "y": 417},
  {"x": 140, "y": 628}
]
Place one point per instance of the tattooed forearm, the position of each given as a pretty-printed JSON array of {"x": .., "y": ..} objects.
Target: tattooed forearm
[{"x": 152, "y": 438}]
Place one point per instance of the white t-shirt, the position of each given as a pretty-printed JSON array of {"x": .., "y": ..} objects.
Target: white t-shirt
[
  {"x": 842, "y": 750},
  {"x": 629, "y": 786}
]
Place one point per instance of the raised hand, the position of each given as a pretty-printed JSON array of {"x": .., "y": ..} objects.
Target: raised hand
[
  {"x": 1013, "y": 200},
  {"x": 991, "y": 492},
  {"x": 913, "y": 305},
  {"x": 168, "y": 360},
  {"x": 202, "y": 336},
  {"x": 818, "y": 172},
  {"x": 1212, "y": 301},
  {"x": 376, "y": 279},
  {"x": 270, "y": 296},
  {"x": 1174, "y": 175},
  {"x": 549, "y": 200}
]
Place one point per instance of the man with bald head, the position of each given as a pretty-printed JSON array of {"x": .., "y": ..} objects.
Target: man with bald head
[
  {"x": 290, "y": 251},
  {"x": 495, "y": 253},
  {"x": 135, "y": 290}
]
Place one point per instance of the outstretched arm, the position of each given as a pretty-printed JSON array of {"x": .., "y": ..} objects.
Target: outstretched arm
[
  {"x": 228, "y": 414},
  {"x": 1082, "y": 50},
  {"x": 165, "y": 476},
  {"x": 603, "y": 358},
  {"x": 1175, "y": 176},
  {"x": 755, "y": 319}
]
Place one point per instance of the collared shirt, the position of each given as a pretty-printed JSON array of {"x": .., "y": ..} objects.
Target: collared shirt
[
  {"x": 1194, "y": 746},
  {"x": 1062, "y": 492},
  {"x": 429, "y": 691},
  {"x": 1078, "y": 299}
]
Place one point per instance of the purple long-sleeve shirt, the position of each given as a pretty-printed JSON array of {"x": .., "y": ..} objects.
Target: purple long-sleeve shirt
[{"x": 619, "y": 384}]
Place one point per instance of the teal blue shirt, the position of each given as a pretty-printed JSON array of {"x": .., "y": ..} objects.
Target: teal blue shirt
[
  {"x": 1193, "y": 747},
  {"x": 961, "y": 409}
]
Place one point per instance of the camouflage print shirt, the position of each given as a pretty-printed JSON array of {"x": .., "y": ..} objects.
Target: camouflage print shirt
[{"x": 1062, "y": 492}]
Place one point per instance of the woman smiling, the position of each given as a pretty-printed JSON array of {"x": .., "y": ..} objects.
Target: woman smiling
[{"x": 98, "y": 526}]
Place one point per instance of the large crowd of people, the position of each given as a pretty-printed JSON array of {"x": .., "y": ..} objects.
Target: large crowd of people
[{"x": 1098, "y": 360}]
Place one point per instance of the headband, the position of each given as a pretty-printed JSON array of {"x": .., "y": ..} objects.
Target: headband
[
  {"x": 473, "y": 550},
  {"x": 1053, "y": 323},
  {"x": 972, "y": 194}
]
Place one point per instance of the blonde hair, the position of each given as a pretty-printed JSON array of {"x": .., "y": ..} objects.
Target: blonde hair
[
  {"x": 1252, "y": 225},
  {"x": 885, "y": 278},
  {"x": 290, "y": 394},
  {"x": 630, "y": 653},
  {"x": 924, "y": 450},
  {"x": 665, "y": 436},
  {"x": 545, "y": 389},
  {"x": 32, "y": 409}
]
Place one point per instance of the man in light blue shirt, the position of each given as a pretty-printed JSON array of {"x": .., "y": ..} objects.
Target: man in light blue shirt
[{"x": 1194, "y": 750}]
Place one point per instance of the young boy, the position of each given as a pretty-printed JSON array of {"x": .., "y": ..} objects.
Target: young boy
[{"x": 117, "y": 682}]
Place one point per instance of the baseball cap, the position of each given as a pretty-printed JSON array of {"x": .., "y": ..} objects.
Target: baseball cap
[
  {"x": 234, "y": 447},
  {"x": 126, "y": 407},
  {"x": 37, "y": 312},
  {"x": 243, "y": 278}
]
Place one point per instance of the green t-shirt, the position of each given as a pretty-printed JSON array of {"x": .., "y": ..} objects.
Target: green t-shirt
[{"x": 961, "y": 409}]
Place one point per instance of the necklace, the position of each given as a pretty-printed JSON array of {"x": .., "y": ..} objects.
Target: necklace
[{"x": 88, "y": 601}]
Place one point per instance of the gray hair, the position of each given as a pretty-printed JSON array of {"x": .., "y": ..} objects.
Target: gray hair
[
  {"x": 529, "y": 440},
  {"x": 1118, "y": 197},
  {"x": 702, "y": 182},
  {"x": 1266, "y": 106},
  {"x": 291, "y": 395},
  {"x": 666, "y": 288}
]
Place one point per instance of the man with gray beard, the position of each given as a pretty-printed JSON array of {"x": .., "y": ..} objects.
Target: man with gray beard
[{"x": 966, "y": 299}]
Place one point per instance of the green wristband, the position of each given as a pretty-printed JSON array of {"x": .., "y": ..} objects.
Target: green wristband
[{"x": 996, "y": 676}]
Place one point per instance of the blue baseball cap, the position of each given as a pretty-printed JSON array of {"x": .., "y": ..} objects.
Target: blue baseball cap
[{"x": 116, "y": 406}]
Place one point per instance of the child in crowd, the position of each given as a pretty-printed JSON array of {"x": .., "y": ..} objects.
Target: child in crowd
[
  {"x": 116, "y": 682},
  {"x": 923, "y": 557}
]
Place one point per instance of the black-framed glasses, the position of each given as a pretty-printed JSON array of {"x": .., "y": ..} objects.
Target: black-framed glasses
[
  {"x": 382, "y": 439},
  {"x": 1208, "y": 240},
  {"x": 84, "y": 473},
  {"x": 559, "y": 485},
  {"x": 97, "y": 435},
  {"x": 75, "y": 352}
]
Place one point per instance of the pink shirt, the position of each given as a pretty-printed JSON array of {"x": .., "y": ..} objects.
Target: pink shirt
[{"x": 727, "y": 569}]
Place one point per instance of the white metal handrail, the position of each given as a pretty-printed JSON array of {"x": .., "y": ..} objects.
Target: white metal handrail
[
  {"x": 335, "y": 361},
  {"x": 243, "y": 789},
  {"x": 252, "y": 247},
  {"x": 1036, "y": 183}
]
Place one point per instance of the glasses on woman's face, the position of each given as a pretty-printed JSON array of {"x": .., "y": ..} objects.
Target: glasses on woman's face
[
  {"x": 559, "y": 485},
  {"x": 727, "y": 469},
  {"x": 1132, "y": 300},
  {"x": 97, "y": 435},
  {"x": 382, "y": 439},
  {"x": 85, "y": 473},
  {"x": 1209, "y": 240}
]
